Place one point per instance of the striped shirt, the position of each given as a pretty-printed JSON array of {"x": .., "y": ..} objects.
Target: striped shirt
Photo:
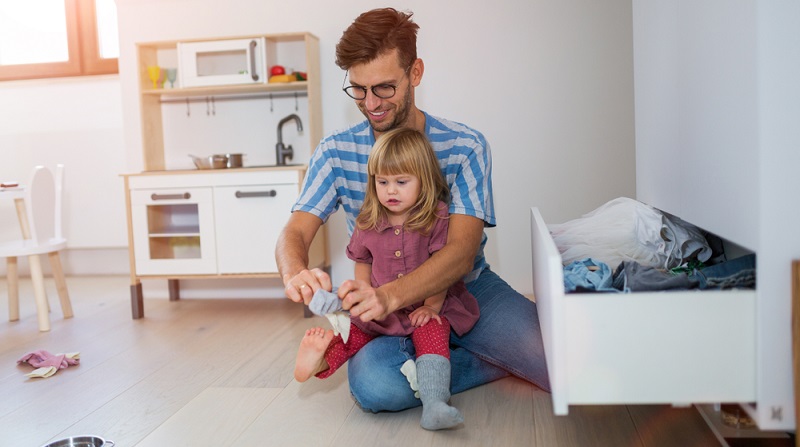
[{"x": 337, "y": 174}]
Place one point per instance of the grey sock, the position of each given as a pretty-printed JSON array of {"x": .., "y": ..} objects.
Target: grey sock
[{"x": 433, "y": 375}]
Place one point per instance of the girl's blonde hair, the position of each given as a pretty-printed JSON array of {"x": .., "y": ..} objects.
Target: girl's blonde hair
[{"x": 404, "y": 151}]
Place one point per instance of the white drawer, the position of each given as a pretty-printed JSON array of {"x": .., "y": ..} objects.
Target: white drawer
[
  {"x": 170, "y": 196},
  {"x": 641, "y": 348}
]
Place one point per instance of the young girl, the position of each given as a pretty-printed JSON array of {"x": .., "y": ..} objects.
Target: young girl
[{"x": 402, "y": 222}]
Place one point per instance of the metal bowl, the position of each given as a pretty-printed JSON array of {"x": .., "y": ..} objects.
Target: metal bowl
[
  {"x": 81, "y": 441},
  {"x": 216, "y": 161}
]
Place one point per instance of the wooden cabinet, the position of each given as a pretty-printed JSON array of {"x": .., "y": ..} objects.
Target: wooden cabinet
[{"x": 217, "y": 223}]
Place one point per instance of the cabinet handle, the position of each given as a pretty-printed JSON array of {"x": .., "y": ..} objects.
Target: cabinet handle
[
  {"x": 185, "y": 195},
  {"x": 246, "y": 194},
  {"x": 253, "y": 73}
]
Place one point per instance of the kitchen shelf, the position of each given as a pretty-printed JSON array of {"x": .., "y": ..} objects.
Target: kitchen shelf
[
  {"x": 301, "y": 50},
  {"x": 298, "y": 86},
  {"x": 175, "y": 247},
  {"x": 176, "y": 234}
]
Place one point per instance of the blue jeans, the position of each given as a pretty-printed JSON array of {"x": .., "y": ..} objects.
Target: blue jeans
[
  {"x": 506, "y": 339},
  {"x": 739, "y": 272}
]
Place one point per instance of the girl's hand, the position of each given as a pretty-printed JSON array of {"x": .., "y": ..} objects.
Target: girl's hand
[{"x": 422, "y": 315}]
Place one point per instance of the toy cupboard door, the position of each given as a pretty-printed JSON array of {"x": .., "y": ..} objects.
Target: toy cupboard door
[
  {"x": 173, "y": 231},
  {"x": 249, "y": 219}
]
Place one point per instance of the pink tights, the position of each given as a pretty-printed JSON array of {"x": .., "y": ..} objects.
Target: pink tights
[{"x": 432, "y": 338}]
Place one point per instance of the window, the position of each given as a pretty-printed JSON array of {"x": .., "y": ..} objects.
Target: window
[{"x": 57, "y": 38}]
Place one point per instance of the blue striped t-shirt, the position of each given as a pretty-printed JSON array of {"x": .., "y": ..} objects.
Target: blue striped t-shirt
[{"x": 337, "y": 174}]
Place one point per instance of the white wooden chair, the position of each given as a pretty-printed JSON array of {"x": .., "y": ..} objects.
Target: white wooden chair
[{"x": 43, "y": 197}]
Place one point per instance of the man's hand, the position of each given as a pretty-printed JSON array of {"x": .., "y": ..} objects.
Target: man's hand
[
  {"x": 301, "y": 287},
  {"x": 363, "y": 301},
  {"x": 291, "y": 254},
  {"x": 422, "y": 315}
]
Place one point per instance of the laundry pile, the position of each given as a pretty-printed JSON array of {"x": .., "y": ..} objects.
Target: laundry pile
[{"x": 628, "y": 246}]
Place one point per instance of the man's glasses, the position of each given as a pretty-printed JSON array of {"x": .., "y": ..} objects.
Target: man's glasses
[{"x": 382, "y": 91}]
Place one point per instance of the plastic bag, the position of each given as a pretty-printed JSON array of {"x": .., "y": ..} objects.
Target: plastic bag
[{"x": 624, "y": 229}]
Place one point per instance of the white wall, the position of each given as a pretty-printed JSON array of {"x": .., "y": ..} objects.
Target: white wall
[
  {"x": 548, "y": 82},
  {"x": 697, "y": 116},
  {"x": 77, "y": 122}
]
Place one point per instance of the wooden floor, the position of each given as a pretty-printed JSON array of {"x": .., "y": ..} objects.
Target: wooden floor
[{"x": 219, "y": 373}]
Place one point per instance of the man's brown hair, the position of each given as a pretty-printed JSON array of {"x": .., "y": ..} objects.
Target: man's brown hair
[{"x": 375, "y": 33}]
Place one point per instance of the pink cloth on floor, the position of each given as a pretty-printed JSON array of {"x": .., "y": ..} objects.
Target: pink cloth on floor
[{"x": 41, "y": 358}]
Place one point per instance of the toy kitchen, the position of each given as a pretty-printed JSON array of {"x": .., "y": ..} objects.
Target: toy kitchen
[{"x": 227, "y": 128}]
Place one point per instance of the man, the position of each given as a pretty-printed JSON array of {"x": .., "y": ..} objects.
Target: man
[{"x": 378, "y": 52}]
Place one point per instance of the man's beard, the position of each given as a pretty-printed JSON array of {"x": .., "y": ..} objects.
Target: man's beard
[{"x": 400, "y": 117}]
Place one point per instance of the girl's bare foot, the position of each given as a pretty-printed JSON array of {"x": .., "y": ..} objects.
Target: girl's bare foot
[{"x": 311, "y": 355}]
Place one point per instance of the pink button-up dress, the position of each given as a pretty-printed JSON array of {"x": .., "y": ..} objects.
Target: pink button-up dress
[{"x": 394, "y": 252}]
